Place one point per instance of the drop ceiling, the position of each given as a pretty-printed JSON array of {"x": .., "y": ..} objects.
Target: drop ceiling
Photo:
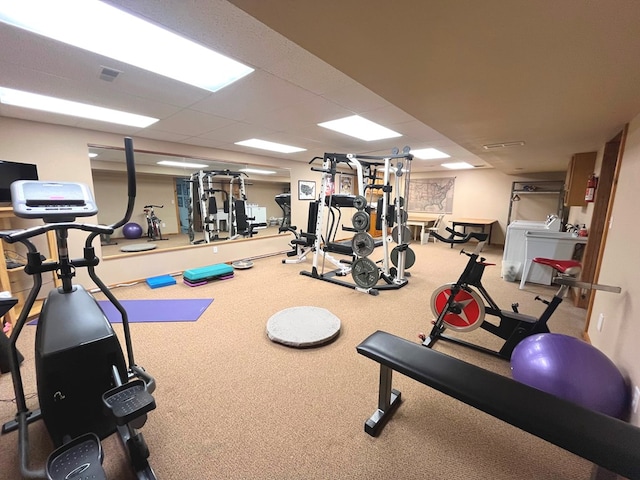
[{"x": 560, "y": 76}]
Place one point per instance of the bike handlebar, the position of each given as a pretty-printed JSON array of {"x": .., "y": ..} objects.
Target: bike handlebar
[
  {"x": 481, "y": 237},
  {"x": 153, "y": 206}
]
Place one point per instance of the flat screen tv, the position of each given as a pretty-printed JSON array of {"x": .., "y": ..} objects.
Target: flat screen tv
[{"x": 9, "y": 173}]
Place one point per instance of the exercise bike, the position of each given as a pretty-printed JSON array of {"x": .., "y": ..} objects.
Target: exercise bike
[
  {"x": 87, "y": 390},
  {"x": 154, "y": 232},
  {"x": 463, "y": 305}
]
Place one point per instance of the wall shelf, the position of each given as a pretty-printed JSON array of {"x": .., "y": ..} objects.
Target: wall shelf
[{"x": 550, "y": 187}]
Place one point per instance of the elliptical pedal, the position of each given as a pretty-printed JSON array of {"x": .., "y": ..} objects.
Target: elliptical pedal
[
  {"x": 129, "y": 401},
  {"x": 80, "y": 458}
]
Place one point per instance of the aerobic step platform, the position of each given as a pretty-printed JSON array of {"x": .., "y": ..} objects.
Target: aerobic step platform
[
  {"x": 161, "y": 281},
  {"x": 205, "y": 274}
]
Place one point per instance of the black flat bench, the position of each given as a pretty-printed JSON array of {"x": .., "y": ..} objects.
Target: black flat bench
[{"x": 606, "y": 441}]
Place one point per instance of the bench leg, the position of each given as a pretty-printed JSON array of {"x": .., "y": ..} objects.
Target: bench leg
[{"x": 388, "y": 402}]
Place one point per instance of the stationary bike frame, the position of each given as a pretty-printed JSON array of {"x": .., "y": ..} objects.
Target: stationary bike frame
[
  {"x": 461, "y": 306},
  {"x": 153, "y": 223}
]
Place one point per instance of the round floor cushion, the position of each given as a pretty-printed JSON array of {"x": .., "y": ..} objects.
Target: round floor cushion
[
  {"x": 303, "y": 327},
  {"x": 138, "y": 247}
]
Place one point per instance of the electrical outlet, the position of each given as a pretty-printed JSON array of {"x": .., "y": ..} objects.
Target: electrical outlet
[
  {"x": 636, "y": 399},
  {"x": 600, "y": 322},
  {"x": 164, "y": 225},
  {"x": 215, "y": 249}
]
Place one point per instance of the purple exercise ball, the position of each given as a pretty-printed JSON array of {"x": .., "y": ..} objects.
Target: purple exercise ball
[
  {"x": 571, "y": 369},
  {"x": 132, "y": 230}
]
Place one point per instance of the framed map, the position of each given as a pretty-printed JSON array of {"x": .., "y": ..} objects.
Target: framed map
[{"x": 433, "y": 195}]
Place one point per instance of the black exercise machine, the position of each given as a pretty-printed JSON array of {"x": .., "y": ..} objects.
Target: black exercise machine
[
  {"x": 6, "y": 304},
  {"x": 87, "y": 388},
  {"x": 304, "y": 242},
  {"x": 461, "y": 306}
]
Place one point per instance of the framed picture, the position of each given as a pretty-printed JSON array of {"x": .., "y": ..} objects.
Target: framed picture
[
  {"x": 306, "y": 190},
  {"x": 346, "y": 184}
]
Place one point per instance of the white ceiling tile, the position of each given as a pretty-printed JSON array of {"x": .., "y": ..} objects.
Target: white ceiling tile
[
  {"x": 357, "y": 98},
  {"x": 190, "y": 122},
  {"x": 236, "y": 132},
  {"x": 258, "y": 92}
]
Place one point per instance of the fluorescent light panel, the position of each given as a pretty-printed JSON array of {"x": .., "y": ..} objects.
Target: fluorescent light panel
[
  {"x": 18, "y": 98},
  {"x": 457, "y": 165},
  {"x": 429, "y": 154},
  {"x": 105, "y": 30},
  {"x": 359, "y": 127},
  {"x": 171, "y": 163},
  {"x": 257, "y": 171},
  {"x": 274, "y": 147}
]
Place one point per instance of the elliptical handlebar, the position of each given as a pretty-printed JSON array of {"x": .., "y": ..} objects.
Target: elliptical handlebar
[
  {"x": 14, "y": 236},
  {"x": 131, "y": 183},
  {"x": 481, "y": 237}
]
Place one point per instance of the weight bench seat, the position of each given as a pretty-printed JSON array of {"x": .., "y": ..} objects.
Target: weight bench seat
[{"x": 606, "y": 441}]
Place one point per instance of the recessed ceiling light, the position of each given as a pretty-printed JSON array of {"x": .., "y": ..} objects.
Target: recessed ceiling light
[
  {"x": 274, "y": 147},
  {"x": 171, "y": 163},
  {"x": 105, "y": 30},
  {"x": 18, "y": 98},
  {"x": 359, "y": 127},
  {"x": 257, "y": 171},
  {"x": 457, "y": 165},
  {"x": 429, "y": 154}
]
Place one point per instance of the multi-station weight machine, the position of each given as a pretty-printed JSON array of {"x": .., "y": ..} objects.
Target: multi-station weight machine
[
  {"x": 203, "y": 189},
  {"x": 391, "y": 217}
]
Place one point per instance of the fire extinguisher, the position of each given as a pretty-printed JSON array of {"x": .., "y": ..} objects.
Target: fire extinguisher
[{"x": 592, "y": 183}]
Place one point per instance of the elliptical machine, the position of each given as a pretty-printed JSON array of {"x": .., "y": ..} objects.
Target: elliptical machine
[{"x": 86, "y": 389}]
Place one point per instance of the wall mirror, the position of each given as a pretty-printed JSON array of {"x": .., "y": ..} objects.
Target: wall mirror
[{"x": 169, "y": 188}]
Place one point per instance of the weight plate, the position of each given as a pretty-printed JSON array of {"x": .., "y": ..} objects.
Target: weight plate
[
  {"x": 365, "y": 273},
  {"x": 409, "y": 257},
  {"x": 360, "y": 221},
  {"x": 359, "y": 202},
  {"x": 400, "y": 201},
  {"x": 406, "y": 235},
  {"x": 463, "y": 313},
  {"x": 362, "y": 244}
]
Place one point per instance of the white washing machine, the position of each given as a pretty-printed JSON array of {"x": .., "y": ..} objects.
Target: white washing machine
[{"x": 515, "y": 242}]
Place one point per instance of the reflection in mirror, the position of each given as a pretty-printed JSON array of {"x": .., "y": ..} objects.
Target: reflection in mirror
[{"x": 186, "y": 202}]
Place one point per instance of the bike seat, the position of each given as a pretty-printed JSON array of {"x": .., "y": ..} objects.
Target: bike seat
[{"x": 568, "y": 267}]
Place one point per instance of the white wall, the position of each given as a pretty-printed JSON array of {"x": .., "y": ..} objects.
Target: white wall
[{"x": 620, "y": 266}]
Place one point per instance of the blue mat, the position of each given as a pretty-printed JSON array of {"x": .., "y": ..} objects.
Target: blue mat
[{"x": 183, "y": 310}]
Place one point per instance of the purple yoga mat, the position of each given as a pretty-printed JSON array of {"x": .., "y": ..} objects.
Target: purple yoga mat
[{"x": 183, "y": 310}]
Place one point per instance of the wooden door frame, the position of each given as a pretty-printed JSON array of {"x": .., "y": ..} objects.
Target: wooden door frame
[{"x": 601, "y": 216}]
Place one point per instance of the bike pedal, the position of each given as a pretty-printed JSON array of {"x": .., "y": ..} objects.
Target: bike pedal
[{"x": 129, "y": 401}]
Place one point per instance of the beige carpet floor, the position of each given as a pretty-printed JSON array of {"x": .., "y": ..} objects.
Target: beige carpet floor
[{"x": 231, "y": 404}]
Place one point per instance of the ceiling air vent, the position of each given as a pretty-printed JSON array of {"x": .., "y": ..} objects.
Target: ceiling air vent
[
  {"x": 109, "y": 74},
  {"x": 492, "y": 146}
]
